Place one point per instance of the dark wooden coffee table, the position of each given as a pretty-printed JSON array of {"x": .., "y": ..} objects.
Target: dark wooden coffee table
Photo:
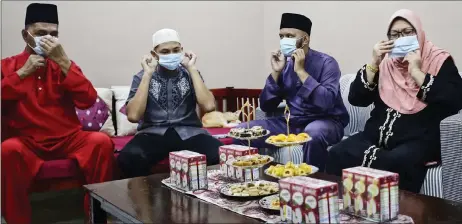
[{"x": 146, "y": 200}]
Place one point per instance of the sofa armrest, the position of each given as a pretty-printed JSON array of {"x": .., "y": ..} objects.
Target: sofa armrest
[
  {"x": 451, "y": 156},
  {"x": 261, "y": 115}
]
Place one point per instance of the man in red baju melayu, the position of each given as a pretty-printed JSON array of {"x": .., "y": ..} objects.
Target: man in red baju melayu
[{"x": 40, "y": 89}]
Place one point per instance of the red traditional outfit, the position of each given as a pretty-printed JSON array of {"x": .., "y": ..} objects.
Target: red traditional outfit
[{"x": 40, "y": 123}]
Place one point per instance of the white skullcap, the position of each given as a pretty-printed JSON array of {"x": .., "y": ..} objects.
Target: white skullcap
[{"x": 164, "y": 36}]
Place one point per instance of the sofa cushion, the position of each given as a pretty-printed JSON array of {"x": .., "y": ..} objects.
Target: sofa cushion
[
  {"x": 66, "y": 168},
  {"x": 433, "y": 184},
  {"x": 121, "y": 141},
  {"x": 99, "y": 116},
  {"x": 63, "y": 168},
  {"x": 124, "y": 127}
]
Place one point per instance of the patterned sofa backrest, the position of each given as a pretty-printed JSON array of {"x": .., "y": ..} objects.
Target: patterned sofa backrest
[
  {"x": 460, "y": 73},
  {"x": 358, "y": 115}
]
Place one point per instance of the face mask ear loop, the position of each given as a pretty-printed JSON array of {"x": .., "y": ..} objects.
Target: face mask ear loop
[
  {"x": 32, "y": 38},
  {"x": 157, "y": 66},
  {"x": 156, "y": 53},
  {"x": 303, "y": 44}
]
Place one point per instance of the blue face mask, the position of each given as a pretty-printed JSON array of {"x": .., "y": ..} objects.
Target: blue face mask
[
  {"x": 37, "y": 48},
  {"x": 170, "y": 61},
  {"x": 404, "y": 45},
  {"x": 288, "y": 46}
]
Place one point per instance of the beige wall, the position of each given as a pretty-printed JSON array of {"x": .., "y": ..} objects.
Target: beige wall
[
  {"x": 348, "y": 30},
  {"x": 232, "y": 39},
  {"x": 108, "y": 38}
]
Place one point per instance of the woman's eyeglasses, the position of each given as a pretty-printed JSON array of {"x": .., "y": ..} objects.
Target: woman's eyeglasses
[{"x": 403, "y": 33}]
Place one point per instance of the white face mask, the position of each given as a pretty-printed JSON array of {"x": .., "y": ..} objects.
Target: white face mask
[
  {"x": 37, "y": 48},
  {"x": 288, "y": 45},
  {"x": 403, "y": 46},
  {"x": 170, "y": 61}
]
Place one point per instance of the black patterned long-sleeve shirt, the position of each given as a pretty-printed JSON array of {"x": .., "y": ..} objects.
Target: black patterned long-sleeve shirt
[
  {"x": 387, "y": 128},
  {"x": 171, "y": 103}
]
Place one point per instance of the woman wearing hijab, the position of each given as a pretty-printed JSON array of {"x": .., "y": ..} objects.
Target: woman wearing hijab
[{"x": 413, "y": 85}]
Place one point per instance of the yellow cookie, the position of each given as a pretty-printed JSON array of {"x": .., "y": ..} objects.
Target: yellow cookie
[
  {"x": 289, "y": 165},
  {"x": 278, "y": 171},
  {"x": 297, "y": 171},
  {"x": 246, "y": 163},
  {"x": 288, "y": 173},
  {"x": 281, "y": 138},
  {"x": 305, "y": 167},
  {"x": 291, "y": 139}
]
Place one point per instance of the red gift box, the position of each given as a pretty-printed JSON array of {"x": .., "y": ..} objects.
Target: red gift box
[
  {"x": 227, "y": 152},
  {"x": 188, "y": 170},
  {"x": 370, "y": 193},
  {"x": 307, "y": 200}
]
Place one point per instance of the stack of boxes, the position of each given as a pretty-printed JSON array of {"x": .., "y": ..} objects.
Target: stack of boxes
[
  {"x": 227, "y": 152},
  {"x": 370, "y": 193},
  {"x": 307, "y": 200},
  {"x": 188, "y": 170}
]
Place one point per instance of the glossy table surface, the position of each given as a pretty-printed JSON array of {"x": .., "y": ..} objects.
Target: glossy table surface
[{"x": 147, "y": 200}]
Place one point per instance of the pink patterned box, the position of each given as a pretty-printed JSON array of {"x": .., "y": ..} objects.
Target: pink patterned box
[
  {"x": 370, "y": 193},
  {"x": 188, "y": 170},
  {"x": 307, "y": 200},
  {"x": 227, "y": 152}
]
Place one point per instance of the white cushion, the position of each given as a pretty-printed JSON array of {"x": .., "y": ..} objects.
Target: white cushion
[{"x": 124, "y": 127}]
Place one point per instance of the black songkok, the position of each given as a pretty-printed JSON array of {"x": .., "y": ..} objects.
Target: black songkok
[
  {"x": 297, "y": 21},
  {"x": 38, "y": 12}
]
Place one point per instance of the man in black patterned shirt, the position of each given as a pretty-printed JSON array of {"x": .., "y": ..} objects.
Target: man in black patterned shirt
[{"x": 163, "y": 99}]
